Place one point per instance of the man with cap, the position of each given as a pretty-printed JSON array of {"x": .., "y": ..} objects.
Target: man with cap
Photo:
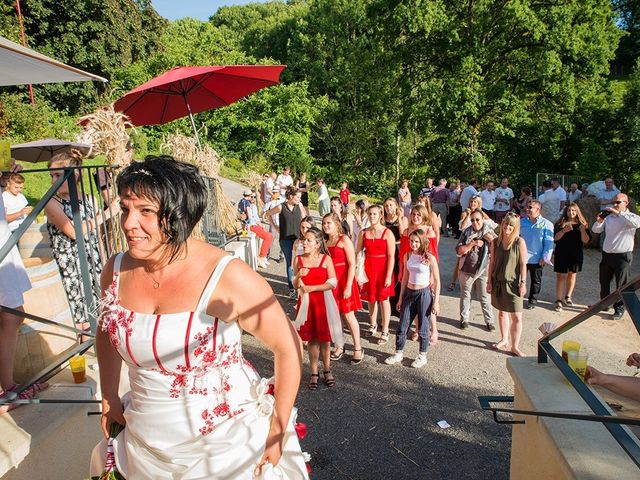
[{"x": 249, "y": 208}]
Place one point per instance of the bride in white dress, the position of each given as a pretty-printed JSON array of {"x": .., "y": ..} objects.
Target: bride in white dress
[{"x": 174, "y": 310}]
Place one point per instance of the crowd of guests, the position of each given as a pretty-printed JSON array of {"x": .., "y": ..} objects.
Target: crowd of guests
[{"x": 387, "y": 256}]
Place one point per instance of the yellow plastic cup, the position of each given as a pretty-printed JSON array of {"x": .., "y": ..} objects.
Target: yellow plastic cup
[
  {"x": 78, "y": 368},
  {"x": 578, "y": 362},
  {"x": 5, "y": 155},
  {"x": 568, "y": 346}
]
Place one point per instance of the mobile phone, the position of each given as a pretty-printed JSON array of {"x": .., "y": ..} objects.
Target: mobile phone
[{"x": 604, "y": 213}]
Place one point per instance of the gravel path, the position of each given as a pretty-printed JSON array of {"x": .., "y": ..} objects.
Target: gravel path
[{"x": 380, "y": 421}]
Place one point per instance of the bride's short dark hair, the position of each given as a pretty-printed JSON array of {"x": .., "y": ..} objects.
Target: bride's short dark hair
[{"x": 176, "y": 186}]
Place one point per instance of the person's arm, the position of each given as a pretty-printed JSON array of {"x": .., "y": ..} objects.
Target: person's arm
[
  {"x": 405, "y": 280},
  {"x": 261, "y": 315},
  {"x": 109, "y": 363},
  {"x": 622, "y": 385},
  {"x": 630, "y": 218},
  {"x": 598, "y": 225},
  {"x": 391, "y": 254},
  {"x": 490, "y": 268},
  {"x": 350, "y": 256},
  {"x": 435, "y": 281},
  {"x": 585, "y": 236},
  {"x": 435, "y": 220},
  {"x": 547, "y": 242},
  {"x": 57, "y": 217},
  {"x": 562, "y": 231},
  {"x": 523, "y": 267},
  {"x": 14, "y": 216},
  {"x": 273, "y": 211},
  {"x": 359, "y": 245}
]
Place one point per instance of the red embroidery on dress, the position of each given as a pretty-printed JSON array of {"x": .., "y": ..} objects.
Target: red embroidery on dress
[
  {"x": 113, "y": 317},
  {"x": 210, "y": 416}
]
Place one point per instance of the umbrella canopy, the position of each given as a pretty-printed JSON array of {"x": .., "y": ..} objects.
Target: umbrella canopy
[
  {"x": 183, "y": 91},
  {"x": 43, "y": 150},
  {"x": 20, "y": 65}
]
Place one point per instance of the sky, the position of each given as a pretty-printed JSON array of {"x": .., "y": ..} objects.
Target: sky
[{"x": 200, "y": 9}]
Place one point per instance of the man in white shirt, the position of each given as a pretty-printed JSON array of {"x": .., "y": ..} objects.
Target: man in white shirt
[
  {"x": 488, "y": 196},
  {"x": 468, "y": 192},
  {"x": 574, "y": 193},
  {"x": 606, "y": 196},
  {"x": 549, "y": 203},
  {"x": 560, "y": 192},
  {"x": 284, "y": 180},
  {"x": 617, "y": 250},
  {"x": 15, "y": 203},
  {"x": 504, "y": 200}
]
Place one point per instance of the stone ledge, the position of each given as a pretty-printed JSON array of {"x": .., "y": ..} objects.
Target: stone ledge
[{"x": 558, "y": 448}]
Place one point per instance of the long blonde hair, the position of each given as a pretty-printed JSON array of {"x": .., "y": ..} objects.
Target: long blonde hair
[{"x": 514, "y": 220}]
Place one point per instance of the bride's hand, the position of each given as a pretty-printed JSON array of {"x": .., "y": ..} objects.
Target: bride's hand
[
  {"x": 273, "y": 448},
  {"x": 112, "y": 411}
]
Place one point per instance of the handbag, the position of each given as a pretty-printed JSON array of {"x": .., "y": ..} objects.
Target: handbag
[{"x": 361, "y": 275}]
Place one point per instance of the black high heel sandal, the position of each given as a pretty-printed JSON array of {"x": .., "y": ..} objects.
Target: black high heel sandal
[
  {"x": 314, "y": 385},
  {"x": 329, "y": 382}
]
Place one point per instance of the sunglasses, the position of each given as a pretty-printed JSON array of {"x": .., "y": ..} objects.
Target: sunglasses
[
  {"x": 618, "y": 202},
  {"x": 476, "y": 220}
]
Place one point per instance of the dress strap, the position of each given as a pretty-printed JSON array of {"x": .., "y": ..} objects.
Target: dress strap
[
  {"x": 299, "y": 257},
  {"x": 116, "y": 270},
  {"x": 322, "y": 261},
  {"x": 213, "y": 282}
]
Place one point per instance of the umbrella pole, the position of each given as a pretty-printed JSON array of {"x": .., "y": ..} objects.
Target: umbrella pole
[{"x": 193, "y": 123}]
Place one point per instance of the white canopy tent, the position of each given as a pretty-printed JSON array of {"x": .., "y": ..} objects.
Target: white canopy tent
[{"x": 20, "y": 65}]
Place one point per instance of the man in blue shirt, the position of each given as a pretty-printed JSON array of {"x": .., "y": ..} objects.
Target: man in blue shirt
[{"x": 537, "y": 233}]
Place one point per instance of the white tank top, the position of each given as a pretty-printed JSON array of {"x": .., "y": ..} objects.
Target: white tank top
[{"x": 419, "y": 273}]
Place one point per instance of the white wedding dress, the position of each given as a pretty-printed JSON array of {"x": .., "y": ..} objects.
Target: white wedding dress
[{"x": 197, "y": 409}]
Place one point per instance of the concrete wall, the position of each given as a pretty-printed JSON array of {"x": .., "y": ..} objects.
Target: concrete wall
[{"x": 550, "y": 448}]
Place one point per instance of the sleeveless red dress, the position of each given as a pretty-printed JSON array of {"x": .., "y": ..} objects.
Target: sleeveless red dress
[
  {"x": 406, "y": 248},
  {"x": 353, "y": 303},
  {"x": 375, "y": 266},
  {"x": 316, "y": 327}
]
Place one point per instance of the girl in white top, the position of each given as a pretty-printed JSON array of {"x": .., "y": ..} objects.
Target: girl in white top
[{"x": 419, "y": 295}]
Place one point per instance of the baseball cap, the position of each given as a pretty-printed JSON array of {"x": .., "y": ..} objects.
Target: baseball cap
[{"x": 247, "y": 193}]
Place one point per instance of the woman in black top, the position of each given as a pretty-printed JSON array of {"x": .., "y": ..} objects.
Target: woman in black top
[
  {"x": 290, "y": 214},
  {"x": 570, "y": 234},
  {"x": 346, "y": 219},
  {"x": 301, "y": 184},
  {"x": 395, "y": 221}
]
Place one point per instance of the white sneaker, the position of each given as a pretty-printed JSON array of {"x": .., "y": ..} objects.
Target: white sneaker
[
  {"x": 395, "y": 358},
  {"x": 262, "y": 263},
  {"x": 420, "y": 361}
]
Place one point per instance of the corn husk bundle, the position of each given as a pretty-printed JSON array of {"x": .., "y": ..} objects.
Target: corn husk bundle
[
  {"x": 106, "y": 130},
  {"x": 255, "y": 182},
  {"x": 220, "y": 210}
]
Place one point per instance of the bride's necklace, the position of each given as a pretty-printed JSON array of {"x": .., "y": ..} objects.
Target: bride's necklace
[{"x": 156, "y": 283}]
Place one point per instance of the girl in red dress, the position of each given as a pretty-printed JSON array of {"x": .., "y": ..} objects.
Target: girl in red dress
[
  {"x": 318, "y": 319},
  {"x": 379, "y": 247},
  {"x": 422, "y": 218},
  {"x": 346, "y": 293}
]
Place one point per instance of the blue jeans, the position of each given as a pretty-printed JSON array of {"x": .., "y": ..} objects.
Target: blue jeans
[
  {"x": 286, "y": 246},
  {"x": 415, "y": 302}
]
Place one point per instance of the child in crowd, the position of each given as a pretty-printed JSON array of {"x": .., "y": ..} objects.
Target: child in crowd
[
  {"x": 416, "y": 298},
  {"x": 345, "y": 194},
  {"x": 15, "y": 203},
  {"x": 317, "y": 319}
]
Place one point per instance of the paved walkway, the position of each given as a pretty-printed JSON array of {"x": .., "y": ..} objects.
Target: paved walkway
[{"x": 380, "y": 422}]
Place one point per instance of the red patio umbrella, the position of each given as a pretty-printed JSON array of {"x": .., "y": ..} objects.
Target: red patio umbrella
[{"x": 184, "y": 91}]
